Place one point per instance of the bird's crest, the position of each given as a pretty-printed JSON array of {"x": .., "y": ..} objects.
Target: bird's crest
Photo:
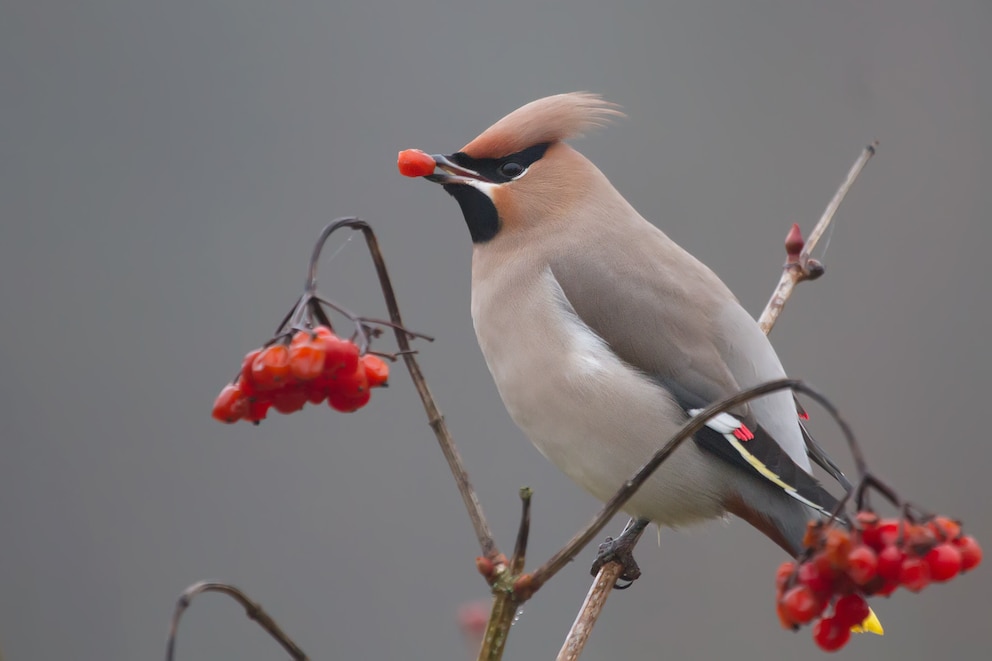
[{"x": 550, "y": 119}]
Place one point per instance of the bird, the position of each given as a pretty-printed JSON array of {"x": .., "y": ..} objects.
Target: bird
[{"x": 604, "y": 336}]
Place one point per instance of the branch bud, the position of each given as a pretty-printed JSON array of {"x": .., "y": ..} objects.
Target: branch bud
[
  {"x": 523, "y": 587},
  {"x": 794, "y": 244},
  {"x": 485, "y": 567}
]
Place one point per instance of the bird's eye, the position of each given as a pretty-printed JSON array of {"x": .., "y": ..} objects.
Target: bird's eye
[{"x": 511, "y": 169}]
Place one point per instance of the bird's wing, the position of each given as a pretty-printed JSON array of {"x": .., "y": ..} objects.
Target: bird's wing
[{"x": 665, "y": 324}]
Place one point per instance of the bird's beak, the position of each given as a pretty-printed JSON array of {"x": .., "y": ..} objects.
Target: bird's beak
[{"x": 454, "y": 173}]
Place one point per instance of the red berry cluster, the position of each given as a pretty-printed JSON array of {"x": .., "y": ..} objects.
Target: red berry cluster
[
  {"x": 308, "y": 366},
  {"x": 842, "y": 567}
]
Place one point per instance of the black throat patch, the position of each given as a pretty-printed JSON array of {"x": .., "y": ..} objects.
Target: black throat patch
[{"x": 479, "y": 211}]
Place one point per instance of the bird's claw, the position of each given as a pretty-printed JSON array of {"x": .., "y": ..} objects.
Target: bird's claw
[{"x": 618, "y": 550}]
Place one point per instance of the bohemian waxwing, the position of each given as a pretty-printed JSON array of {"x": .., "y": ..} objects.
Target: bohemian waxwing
[{"x": 604, "y": 336}]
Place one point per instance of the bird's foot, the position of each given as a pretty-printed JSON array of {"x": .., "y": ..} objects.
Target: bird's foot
[{"x": 621, "y": 550}]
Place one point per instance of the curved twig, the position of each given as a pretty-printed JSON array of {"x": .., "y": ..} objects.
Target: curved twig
[
  {"x": 482, "y": 530},
  {"x": 252, "y": 609}
]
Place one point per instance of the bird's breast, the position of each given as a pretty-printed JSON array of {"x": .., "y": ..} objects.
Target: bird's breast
[{"x": 590, "y": 413}]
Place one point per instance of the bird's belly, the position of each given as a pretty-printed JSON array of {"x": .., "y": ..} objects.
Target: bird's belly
[{"x": 593, "y": 416}]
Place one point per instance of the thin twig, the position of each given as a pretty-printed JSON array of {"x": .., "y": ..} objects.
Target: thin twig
[
  {"x": 592, "y": 607},
  {"x": 523, "y": 532},
  {"x": 483, "y": 532},
  {"x": 508, "y": 595},
  {"x": 252, "y": 609},
  {"x": 795, "y": 271}
]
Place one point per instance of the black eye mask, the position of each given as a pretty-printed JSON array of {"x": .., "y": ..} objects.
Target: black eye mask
[{"x": 502, "y": 170}]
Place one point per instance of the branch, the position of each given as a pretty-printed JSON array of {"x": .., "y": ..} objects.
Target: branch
[
  {"x": 252, "y": 609},
  {"x": 483, "y": 532},
  {"x": 595, "y": 601},
  {"x": 798, "y": 267},
  {"x": 523, "y": 532}
]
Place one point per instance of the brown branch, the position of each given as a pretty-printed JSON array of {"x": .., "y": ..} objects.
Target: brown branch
[
  {"x": 483, "y": 532},
  {"x": 252, "y": 609},
  {"x": 523, "y": 532},
  {"x": 800, "y": 267},
  {"x": 797, "y": 269},
  {"x": 595, "y": 601}
]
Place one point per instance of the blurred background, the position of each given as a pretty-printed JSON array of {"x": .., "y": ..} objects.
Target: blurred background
[{"x": 166, "y": 167}]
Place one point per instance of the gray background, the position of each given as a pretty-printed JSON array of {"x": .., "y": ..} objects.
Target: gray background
[{"x": 166, "y": 166}]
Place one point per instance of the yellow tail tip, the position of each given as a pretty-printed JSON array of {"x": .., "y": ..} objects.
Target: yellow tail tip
[{"x": 870, "y": 625}]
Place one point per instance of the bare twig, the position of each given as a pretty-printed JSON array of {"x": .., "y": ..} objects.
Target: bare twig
[
  {"x": 601, "y": 588},
  {"x": 252, "y": 609},
  {"x": 523, "y": 532},
  {"x": 483, "y": 532},
  {"x": 797, "y": 269}
]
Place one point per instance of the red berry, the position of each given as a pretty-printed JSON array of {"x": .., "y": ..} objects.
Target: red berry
[
  {"x": 306, "y": 356},
  {"x": 814, "y": 578},
  {"x": 342, "y": 356},
  {"x": 886, "y": 589},
  {"x": 783, "y": 574},
  {"x": 851, "y": 609},
  {"x": 944, "y": 562},
  {"x": 473, "y": 617},
  {"x": 918, "y": 537},
  {"x": 289, "y": 400},
  {"x": 862, "y": 564},
  {"x": 890, "y": 563},
  {"x": 317, "y": 390},
  {"x": 971, "y": 552},
  {"x": 813, "y": 535},
  {"x": 830, "y": 634},
  {"x": 349, "y": 392},
  {"x": 837, "y": 547},
  {"x": 258, "y": 408},
  {"x": 351, "y": 383},
  {"x": 414, "y": 163},
  {"x": 945, "y": 528},
  {"x": 244, "y": 380},
  {"x": 867, "y": 523},
  {"x": 270, "y": 369},
  {"x": 783, "y": 617},
  {"x": 376, "y": 370},
  {"x": 348, "y": 403},
  {"x": 231, "y": 404},
  {"x": 888, "y": 532},
  {"x": 801, "y": 605},
  {"x": 915, "y": 573},
  {"x": 822, "y": 563}
]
